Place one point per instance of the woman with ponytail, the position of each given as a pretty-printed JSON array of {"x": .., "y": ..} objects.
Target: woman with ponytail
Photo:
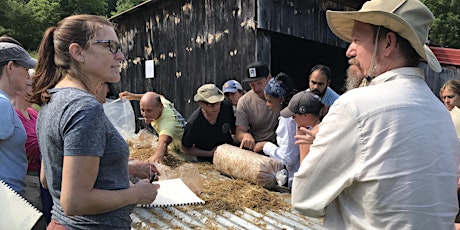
[
  {"x": 278, "y": 92},
  {"x": 84, "y": 158}
]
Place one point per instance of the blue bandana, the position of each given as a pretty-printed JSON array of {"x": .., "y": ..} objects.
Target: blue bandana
[{"x": 276, "y": 88}]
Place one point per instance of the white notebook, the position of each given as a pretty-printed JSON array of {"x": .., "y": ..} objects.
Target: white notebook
[
  {"x": 174, "y": 192},
  {"x": 17, "y": 213}
]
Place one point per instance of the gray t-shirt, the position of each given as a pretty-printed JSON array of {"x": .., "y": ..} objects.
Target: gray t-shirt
[
  {"x": 252, "y": 112},
  {"x": 73, "y": 123}
]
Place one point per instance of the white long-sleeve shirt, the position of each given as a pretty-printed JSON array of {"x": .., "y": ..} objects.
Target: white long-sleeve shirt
[
  {"x": 386, "y": 157},
  {"x": 286, "y": 151}
]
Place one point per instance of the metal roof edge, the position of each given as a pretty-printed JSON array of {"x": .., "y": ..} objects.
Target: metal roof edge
[{"x": 447, "y": 56}]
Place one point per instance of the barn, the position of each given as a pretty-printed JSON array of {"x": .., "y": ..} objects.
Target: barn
[{"x": 174, "y": 46}]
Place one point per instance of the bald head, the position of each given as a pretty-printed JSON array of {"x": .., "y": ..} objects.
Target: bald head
[
  {"x": 151, "y": 106},
  {"x": 151, "y": 98}
]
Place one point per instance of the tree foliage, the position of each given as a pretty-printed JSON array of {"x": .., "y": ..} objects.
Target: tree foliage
[
  {"x": 45, "y": 14},
  {"x": 70, "y": 7},
  {"x": 123, "y": 5},
  {"x": 26, "y": 20},
  {"x": 16, "y": 23},
  {"x": 3, "y": 10},
  {"x": 446, "y": 26}
]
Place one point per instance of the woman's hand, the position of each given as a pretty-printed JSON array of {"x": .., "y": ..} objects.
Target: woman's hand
[
  {"x": 146, "y": 192},
  {"x": 142, "y": 169}
]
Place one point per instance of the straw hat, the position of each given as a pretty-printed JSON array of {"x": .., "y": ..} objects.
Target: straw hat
[{"x": 409, "y": 18}]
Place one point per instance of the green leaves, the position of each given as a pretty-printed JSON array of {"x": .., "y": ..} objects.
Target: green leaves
[
  {"x": 446, "y": 26},
  {"x": 123, "y": 5},
  {"x": 26, "y": 20}
]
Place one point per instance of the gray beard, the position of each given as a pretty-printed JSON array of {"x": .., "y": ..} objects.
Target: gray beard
[
  {"x": 354, "y": 75},
  {"x": 356, "y": 79},
  {"x": 353, "y": 81}
]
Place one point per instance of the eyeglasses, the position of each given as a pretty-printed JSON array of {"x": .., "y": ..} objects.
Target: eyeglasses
[{"x": 113, "y": 46}]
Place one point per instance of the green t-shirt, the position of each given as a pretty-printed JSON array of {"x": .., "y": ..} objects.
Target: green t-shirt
[{"x": 170, "y": 123}]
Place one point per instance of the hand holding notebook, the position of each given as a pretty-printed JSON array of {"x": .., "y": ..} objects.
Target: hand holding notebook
[{"x": 174, "y": 192}]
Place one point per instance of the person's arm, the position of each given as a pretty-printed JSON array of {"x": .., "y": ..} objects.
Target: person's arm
[
  {"x": 304, "y": 149},
  {"x": 130, "y": 96},
  {"x": 79, "y": 197},
  {"x": 458, "y": 185},
  {"x": 242, "y": 125},
  {"x": 161, "y": 150},
  {"x": 286, "y": 151},
  {"x": 331, "y": 165},
  {"x": 194, "y": 151},
  {"x": 259, "y": 146},
  {"x": 142, "y": 169},
  {"x": 305, "y": 139},
  {"x": 42, "y": 176},
  {"x": 244, "y": 137}
]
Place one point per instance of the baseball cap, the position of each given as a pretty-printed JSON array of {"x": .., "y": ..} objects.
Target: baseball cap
[
  {"x": 13, "y": 52},
  {"x": 209, "y": 93},
  {"x": 302, "y": 103},
  {"x": 231, "y": 86},
  {"x": 256, "y": 70}
]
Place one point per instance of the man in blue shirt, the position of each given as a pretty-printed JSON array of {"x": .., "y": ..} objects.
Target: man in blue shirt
[{"x": 318, "y": 83}]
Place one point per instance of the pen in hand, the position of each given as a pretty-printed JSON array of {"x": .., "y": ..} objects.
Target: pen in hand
[{"x": 152, "y": 177}]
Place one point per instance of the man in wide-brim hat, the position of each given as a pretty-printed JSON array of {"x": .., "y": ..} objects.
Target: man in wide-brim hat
[
  {"x": 210, "y": 125},
  {"x": 386, "y": 155}
]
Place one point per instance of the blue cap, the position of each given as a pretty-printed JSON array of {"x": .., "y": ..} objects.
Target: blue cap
[{"x": 231, "y": 86}]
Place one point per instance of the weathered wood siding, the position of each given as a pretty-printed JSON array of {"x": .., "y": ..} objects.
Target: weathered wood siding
[
  {"x": 191, "y": 43},
  {"x": 299, "y": 18},
  {"x": 211, "y": 41},
  {"x": 436, "y": 80}
]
